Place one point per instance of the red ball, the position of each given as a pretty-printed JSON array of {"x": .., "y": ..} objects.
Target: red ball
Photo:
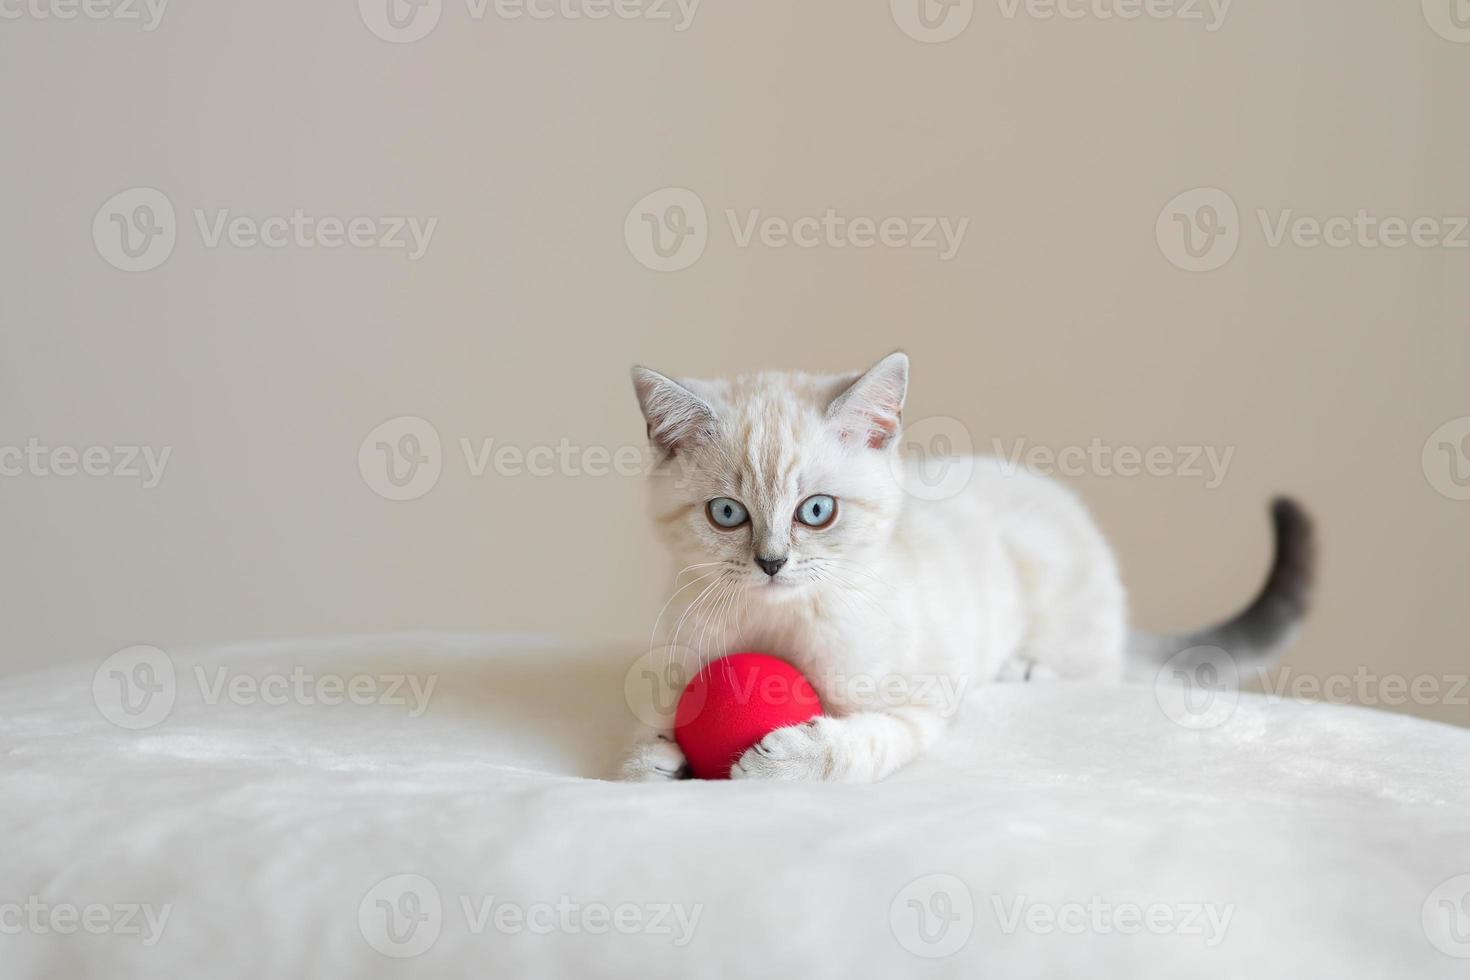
[{"x": 734, "y": 703}]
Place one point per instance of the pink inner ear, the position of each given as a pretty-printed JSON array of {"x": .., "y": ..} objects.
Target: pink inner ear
[
  {"x": 880, "y": 429},
  {"x": 876, "y": 432}
]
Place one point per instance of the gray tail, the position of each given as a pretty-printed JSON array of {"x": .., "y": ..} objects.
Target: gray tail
[{"x": 1259, "y": 632}]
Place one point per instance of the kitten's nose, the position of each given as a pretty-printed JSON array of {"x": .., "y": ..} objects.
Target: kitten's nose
[{"x": 770, "y": 565}]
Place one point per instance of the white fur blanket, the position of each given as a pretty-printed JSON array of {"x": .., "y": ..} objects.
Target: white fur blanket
[{"x": 291, "y": 817}]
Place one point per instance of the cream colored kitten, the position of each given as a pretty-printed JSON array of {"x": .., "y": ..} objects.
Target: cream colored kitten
[{"x": 781, "y": 495}]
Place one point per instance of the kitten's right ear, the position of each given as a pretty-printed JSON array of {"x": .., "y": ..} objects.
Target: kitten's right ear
[
  {"x": 870, "y": 410},
  {"x": 675, "y": 415}
]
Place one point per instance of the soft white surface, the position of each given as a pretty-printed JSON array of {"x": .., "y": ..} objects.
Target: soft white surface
[{"x": 264, "y": 827}]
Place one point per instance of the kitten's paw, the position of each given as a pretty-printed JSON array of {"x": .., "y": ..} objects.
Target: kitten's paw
[
  {"x": 656, "y": 760},
  {"x": 807, "y": 752}
]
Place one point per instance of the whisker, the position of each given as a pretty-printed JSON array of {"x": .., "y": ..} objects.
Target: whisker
[
  {"x": 701, "y": 622},
  {"x": 734, "y": 610},
  {"x": 703, "y": 564},
  {"x": 716, "y": 605},
  {"x": 856, "y": 566},
  {"x": 653, "y": 634},
  {"x": 849, "y": 591},
  {"x": 693, "y": 606}
]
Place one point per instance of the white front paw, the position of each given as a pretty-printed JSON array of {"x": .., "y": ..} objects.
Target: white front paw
[
  {"x": 655, "y": 760},
  {"x": 807, "y": 752}
]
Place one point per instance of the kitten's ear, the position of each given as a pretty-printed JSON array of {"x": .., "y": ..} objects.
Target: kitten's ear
[
  {"x": 675, "y": 415},
  {"x": 870, "y": 409}
]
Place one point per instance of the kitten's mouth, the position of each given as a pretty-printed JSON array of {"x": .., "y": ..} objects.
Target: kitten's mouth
[
  {"x": 780, "y": 582},
  {"x": 786, "y": 580}
]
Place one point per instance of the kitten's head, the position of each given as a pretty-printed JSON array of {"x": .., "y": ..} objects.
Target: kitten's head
[{"x": 783, "y": 480}]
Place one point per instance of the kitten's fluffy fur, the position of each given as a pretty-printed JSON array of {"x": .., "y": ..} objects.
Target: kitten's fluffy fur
[{"x": 901, "y": 603}]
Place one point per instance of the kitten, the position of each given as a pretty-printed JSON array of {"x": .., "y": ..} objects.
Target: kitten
[{"x": 782, "y": 494}]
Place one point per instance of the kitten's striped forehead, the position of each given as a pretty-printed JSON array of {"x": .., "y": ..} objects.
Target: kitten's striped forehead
[{"x": 772, "y": 420}]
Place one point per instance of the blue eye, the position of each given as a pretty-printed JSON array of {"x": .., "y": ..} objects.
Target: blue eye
[
  {"x": 726, "y": 513},
  {"x": 817, "y": 510}
]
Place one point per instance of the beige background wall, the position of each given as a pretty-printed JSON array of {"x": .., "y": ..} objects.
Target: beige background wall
[{"x": 1060, "y": 319}]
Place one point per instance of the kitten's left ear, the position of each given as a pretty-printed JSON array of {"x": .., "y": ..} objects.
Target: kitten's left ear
[
  {"x": 871, "y": 408},
  {"x": 676, "y": 416}
]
